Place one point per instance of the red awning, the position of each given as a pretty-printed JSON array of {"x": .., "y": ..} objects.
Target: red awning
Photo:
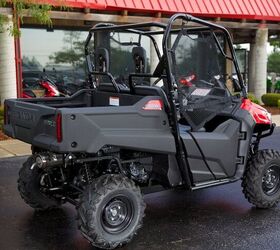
[{"x": 240, "y": 9}]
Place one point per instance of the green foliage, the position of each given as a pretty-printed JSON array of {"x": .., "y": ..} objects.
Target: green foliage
[
  {"x": 271, "y": 99},
  {"x": 73, "y": 51},
  {"x": 31, "y": 63},
  {"x": 278, "y": 104},
  {"x": 253, "y": 98},
  {"x": 40, "y": 12},
  {"x": 3, "y": 19},
  {"x": 274, "y": 62},
  {"x": 1, "y": 111},
  {"x": 275, "y": 43}
]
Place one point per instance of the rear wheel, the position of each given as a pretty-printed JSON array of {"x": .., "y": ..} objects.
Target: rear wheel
[
  {"x": 111, "y": 211},
  {"x": 31, "y": 180},
  {"x": 261, "y": 181}
]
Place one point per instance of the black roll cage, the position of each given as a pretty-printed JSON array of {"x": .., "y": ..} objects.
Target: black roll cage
[
  {"x": 166, "y": 60},
  {"x": 167, "y": 29}
]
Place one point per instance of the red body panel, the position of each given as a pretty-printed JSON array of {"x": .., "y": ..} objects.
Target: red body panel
[{"x": 259, "y": 114}]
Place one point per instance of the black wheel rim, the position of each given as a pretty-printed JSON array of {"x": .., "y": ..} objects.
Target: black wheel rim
[
  {"x": 271, "y": 180},
  {"x": 117, "y": 214}
]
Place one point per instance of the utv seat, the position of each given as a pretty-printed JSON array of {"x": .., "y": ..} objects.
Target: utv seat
[
  {"x": 140, "y": 59},
  {"x": 102, "y": 65},
  {"x": 102, "y": 60},
  {"x": 108, "y": 87},
  {"x": 141, "y": 90},
  {"x": 148, "y": 90},
  {"x": 140, "y": 65}
]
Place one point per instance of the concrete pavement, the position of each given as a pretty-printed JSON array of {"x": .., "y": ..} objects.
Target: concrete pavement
[
  {"x": 10, "y": 148},
  {"x": 276, "y": 119}
]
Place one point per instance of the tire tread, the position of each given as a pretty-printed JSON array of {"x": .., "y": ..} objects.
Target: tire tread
[
  {"x": 27, "y": 191},
  {"x": 250, "y": 181},
  {"x": 89, "y": 201}
]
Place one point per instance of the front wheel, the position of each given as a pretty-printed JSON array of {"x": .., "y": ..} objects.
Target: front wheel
[
  {"x": 261, "y": 181},
  {"x": 111, "y": 211}
]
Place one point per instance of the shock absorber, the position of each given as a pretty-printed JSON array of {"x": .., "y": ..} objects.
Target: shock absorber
[{"x": 87, "y": 174}]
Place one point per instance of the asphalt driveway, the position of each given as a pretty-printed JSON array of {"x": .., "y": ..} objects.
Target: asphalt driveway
[{"x": 214, "y": 218}]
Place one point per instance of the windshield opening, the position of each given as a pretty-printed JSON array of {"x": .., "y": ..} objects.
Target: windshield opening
[
  {"x": 200, "y": 59},
  {"x": 203, "y": 69}
]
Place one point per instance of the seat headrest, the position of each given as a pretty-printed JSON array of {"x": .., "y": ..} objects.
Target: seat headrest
[
  {"x": 140, "y": 59},
  {"x": 102, "y": 59}
]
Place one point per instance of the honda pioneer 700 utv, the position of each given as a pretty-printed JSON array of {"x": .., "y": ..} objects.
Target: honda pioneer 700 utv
[{"x": 174, "y": 114}]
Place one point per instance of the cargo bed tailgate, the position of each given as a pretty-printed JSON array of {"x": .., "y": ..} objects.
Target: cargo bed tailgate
[{"x": 26, "y": 121}]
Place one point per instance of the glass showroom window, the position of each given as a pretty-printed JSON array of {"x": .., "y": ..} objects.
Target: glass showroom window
[{"x": 57, "y": 56}]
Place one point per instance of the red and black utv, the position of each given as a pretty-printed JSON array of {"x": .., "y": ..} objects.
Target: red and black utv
[{"x": 183, "y": 123}]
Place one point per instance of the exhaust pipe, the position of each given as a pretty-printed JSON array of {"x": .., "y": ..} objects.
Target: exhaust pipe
[{"x": 48, "y": 160}]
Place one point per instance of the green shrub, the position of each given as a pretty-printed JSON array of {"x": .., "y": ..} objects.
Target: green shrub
[
  {"x": 1, "y": 111},
  {"x": 278, "y": 104},
  {"x": 271, "y": 99},
  {"x": 253, "y": 98}
]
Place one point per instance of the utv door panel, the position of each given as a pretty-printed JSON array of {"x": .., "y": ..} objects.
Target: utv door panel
[
  {"x": 213, "y": 155},
  {"x": 201, "y": 173},
  {"x": 198, "y": 167}
]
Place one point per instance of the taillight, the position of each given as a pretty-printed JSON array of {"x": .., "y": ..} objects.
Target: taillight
[
  {"x": 6, "y": 114},
  {"x": 153, "y": 105},
  {"x": 59, "y": 127}
]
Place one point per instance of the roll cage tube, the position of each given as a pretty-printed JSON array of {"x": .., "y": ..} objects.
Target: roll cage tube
[
  {"x": 181, "y": 158},
  {"x": 187, "y": 18},
  {"x": 180, "y": 153},
  {"x": 129, "y": 28}
]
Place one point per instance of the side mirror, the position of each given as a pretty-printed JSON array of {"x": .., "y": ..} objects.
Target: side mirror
[{"x": 236, "y": 85}]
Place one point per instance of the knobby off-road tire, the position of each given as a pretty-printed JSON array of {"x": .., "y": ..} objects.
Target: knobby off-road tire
[
  {"x": 110, "y": 211},
  {"x": 29, "y": 187},
  {"x": 261, "y": 181}
]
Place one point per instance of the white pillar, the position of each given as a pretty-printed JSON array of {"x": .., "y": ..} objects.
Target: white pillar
[
  {"x": 251, "y": 67},
  {"x": 8, "y": 88},
  {"x": 259, "y": 63}
]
